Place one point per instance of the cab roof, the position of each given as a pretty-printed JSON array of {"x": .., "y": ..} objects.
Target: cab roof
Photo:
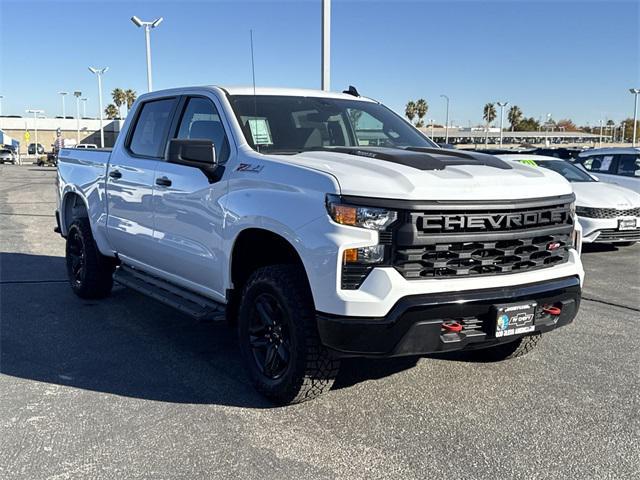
[
  {"x": 292, "y": 92},
  {"x": 610, "y": 151}
]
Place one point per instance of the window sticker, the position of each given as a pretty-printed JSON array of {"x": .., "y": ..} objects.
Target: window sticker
[
  {"x": 606, "y": 163},
  {"x": 260, "y": 131},
  {"x": 531, "y": 163}
]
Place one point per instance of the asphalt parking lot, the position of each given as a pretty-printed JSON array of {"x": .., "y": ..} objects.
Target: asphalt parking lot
[{"x": 127, "y": 388}]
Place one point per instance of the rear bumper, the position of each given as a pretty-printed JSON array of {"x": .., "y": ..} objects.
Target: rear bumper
[{"x": 414, "y": 324}]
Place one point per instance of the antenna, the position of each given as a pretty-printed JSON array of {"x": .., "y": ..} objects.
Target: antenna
[{"x": 255, "y": 100}]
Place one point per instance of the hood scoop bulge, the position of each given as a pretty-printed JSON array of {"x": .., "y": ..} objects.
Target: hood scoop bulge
[{"x": 423, "y": 158}]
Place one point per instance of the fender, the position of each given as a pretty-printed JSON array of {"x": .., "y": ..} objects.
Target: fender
[{"x": 96, "y": 221}]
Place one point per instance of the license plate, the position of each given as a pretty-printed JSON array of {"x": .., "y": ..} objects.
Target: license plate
[
  {"x": 515, "y": 319},
  {"x": 627, "y": 224}
]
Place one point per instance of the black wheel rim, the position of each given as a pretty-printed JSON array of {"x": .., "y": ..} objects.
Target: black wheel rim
[
  {"x": 269, "y": 338},
  {"x": 76, "y": 256}
]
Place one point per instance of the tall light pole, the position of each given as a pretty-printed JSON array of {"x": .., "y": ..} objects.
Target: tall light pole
[
  {"x": 431, "y": 128},
  {"x": 326, "y": 45},
  {"x": 99, "y": 72},
  {"x": 635, "y": 92},
  {"x": 84, "y": 108},
  {"x": 502, "y": 105},
  {"x": 77, "y": 94},
  {"x": 147, "y": 35},
  {"x": 1, "y": 97},
  {"x": 63, "y": 94},
  {"x": 35, "y": 129},
  {"x": 600, "y": 139},
  {"x": 446, "y": 121},
  {"x": 622, "y": 133}
]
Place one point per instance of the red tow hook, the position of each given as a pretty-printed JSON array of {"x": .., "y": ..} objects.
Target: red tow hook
[
  {"x": 451, "y": 326},
  {"x": 551, "y": 310}
]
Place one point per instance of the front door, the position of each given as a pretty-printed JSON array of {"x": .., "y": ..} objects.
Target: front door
[
  {"x": 188, "y": 209},
  {"x": 130, "y": 182}
]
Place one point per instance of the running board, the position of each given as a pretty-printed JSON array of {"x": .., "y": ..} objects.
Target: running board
[{"x": 187, "y": 302}]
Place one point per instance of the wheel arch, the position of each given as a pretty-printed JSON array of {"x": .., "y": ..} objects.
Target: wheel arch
[
  {"x": 253, "y": 248},
  {"x": 74, "y": 206}
]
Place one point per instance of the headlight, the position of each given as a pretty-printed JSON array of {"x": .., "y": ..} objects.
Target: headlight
[{"x": 364, "y": 217}]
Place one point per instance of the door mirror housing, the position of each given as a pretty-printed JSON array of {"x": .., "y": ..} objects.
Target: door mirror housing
[{"x": 194, "y": 152}]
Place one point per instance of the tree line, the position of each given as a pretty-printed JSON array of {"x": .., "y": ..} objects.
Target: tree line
[
  {"x": 121, "y": 98},
  {"x": 519, "y": 123}
]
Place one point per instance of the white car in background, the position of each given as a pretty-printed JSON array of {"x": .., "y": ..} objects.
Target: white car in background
[
  {"x": 608, "y": 213},
  {"x": 613, "y": 165}
]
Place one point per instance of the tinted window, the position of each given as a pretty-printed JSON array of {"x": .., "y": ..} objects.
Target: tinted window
[
  {"x": 152, "y": 126},
  {"x": 629, "y": 165},
  {"x": 201, "y": 120},
  {"x": 288, "y": 124}
]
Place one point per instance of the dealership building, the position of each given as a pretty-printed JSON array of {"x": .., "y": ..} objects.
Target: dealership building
[{"x": 21, "y": 131}]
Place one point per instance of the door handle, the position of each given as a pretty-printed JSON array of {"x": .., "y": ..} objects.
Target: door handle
[
  {"x": 163, "y": 182},
  {"x": 115, "y": 174}
]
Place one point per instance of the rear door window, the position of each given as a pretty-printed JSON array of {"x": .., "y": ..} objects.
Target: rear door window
[
  {"x": 149, "y": 135},
  {"x": 629, "y": 165}
]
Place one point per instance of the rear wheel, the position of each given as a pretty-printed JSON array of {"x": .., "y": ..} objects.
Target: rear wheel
[
  {"x": 279, "y": 338},
  {"x": 90, "y": 273},
  {"x": 505, "y": 351}
]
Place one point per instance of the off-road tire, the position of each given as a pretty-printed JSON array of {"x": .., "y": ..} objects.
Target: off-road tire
[
  {"x": 95, "y": 279},
  {"x": 311, "y": 369},
  {"x": 506, "y": 351}
]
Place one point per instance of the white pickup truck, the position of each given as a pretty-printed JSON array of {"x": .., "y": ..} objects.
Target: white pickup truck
[{"x": 323, "y": 226}]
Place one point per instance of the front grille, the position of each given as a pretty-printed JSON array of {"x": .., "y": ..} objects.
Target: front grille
[
  {"x": 482, "y": 257},
  {"x": 619, "y": 236},
  {"x": 479, "y": 240},
  {"x": 607, "y": 212}
]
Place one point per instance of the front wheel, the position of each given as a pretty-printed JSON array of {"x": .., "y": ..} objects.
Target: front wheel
[
  {"x": 505, "y": 351},
  {"x": 279, "y": 337}
]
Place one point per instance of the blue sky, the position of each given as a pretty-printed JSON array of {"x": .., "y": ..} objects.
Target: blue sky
[{"x": 573, "y": 59}]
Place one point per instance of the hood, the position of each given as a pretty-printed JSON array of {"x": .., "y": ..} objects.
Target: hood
[
  {"x": 604, "y": 195},
  {"x": 372, "y": 177}
]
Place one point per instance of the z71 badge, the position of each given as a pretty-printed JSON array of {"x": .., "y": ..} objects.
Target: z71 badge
[{"x": 248, "y": 167}]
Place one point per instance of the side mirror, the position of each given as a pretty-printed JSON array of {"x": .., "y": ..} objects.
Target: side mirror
[{"x": 194, "y": 152}]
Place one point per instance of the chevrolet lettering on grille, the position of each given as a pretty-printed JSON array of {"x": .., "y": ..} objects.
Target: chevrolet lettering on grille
[{"x": 484, "y": 222}]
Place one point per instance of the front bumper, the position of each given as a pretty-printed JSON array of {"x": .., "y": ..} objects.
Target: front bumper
[
  {"x": 414, "y": 324},
  {"x": 605, "y": 230}
]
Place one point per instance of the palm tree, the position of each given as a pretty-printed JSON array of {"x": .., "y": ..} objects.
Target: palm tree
[
  {"x": 111, "y": 111},
  {"x": 514, "y": 116},
  {"x": 421, "y": 110},
  {"x": 489, "y": 114},
  {"x": 119, "y": 98},
  {"x": 410, "y": 110},
  {"x": 130, "y": 96}
]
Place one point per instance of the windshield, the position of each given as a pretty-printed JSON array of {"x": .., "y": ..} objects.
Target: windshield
[
  {"x": 288, "y": 125},
  {"x": 566, "y": 169}
]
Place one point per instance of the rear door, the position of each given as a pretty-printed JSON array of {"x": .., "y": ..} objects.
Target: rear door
[
  {"x": 130, "y": 181},
  {"x": 188, "y": 208},
  {"x": 628, "y": 171}
]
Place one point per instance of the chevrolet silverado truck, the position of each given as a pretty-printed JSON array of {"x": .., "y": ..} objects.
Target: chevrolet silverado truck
[{"x": 322, "y": 226}]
